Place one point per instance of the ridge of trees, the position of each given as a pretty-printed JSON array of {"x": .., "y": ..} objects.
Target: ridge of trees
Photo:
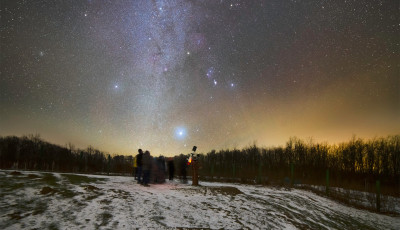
[
  {"x": 379, "y": 156},
  {"x": 33, "y": 153},
  {"x": 355, "y": 164}
]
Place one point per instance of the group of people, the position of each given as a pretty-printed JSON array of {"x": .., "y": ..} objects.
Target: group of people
[{"x": 152, "y": 170}]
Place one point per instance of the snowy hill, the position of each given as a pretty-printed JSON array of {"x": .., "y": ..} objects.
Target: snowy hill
[{"x": 38, "y": 200}]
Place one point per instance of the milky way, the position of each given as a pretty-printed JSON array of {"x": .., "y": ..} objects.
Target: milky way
[{"x": 167, "y": 75}]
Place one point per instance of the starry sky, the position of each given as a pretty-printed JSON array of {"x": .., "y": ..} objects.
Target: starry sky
[{"x": 166, "y": 75}]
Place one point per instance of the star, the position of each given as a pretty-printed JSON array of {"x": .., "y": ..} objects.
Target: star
[
  {"x": 180, "y": 133},
  {"x": 210, "y": 72}
]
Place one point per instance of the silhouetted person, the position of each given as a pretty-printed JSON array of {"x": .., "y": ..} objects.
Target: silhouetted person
[
  {"x": 158, "y": 170},
  {"x": 171, "y": 168},
  {"x": 147, "y": 165},
  {"x": 183, "y": 164},
  {"x": 139, "y": 169}
]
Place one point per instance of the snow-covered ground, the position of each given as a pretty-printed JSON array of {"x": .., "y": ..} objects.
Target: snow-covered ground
[
  {"x": 389, "y": 204},
  {"x": 36, "y": 200}
]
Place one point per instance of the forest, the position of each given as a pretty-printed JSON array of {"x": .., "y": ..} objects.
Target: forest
[{"x": 355, "y": 164}]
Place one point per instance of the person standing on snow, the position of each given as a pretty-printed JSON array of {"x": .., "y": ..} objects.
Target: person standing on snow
[
  {"x": 184, "y": 164},
  {"x": 147, "y": 165},
  {"x": 139, "y": 162},
  {"x": 171, "y": 168}
]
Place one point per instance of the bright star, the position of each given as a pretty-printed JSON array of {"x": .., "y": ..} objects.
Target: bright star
[{"x": 180, "y": 133}]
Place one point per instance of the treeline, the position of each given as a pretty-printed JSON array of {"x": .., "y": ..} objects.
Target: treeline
[
  {"x": 357, "y": 163},
  {"x": 33, "y": 153}
]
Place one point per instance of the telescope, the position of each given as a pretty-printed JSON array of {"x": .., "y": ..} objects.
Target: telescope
[{"x": 193, "y": 156}]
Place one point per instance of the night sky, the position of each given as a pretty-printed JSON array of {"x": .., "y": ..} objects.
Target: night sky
[{"x": 166, "y": 75}]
